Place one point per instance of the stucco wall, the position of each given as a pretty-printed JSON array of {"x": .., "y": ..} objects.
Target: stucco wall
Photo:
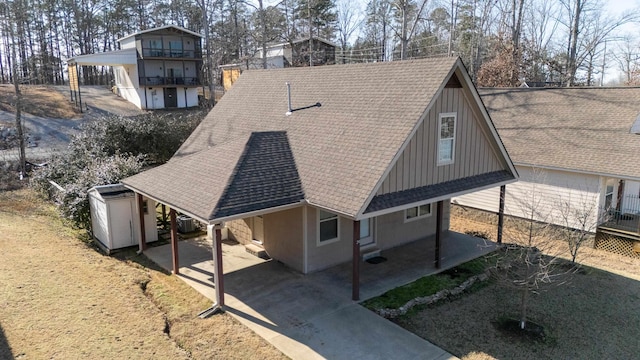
[
  {"x": 322, "y": 256},
  {"x": 391, "y": 230},
  {"x": 283, "y": 237}
]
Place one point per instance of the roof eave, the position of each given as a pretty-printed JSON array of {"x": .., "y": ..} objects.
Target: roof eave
[
  {"x": 431, "y": 200},
  {"x": 161, "y": 201}
]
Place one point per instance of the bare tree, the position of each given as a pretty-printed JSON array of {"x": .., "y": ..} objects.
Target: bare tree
[
  {"x": 530, "y": 260},
  {"x": 9, "y": 20},
  {"x": 589, "y": 27},
  {"x": 349, "y": 20},
  {"x": 627, "y": 57},
  {"x": 579, "y": 214}
]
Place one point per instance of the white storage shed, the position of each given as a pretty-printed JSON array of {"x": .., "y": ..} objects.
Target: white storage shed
[{"x": 115, "y": 222}]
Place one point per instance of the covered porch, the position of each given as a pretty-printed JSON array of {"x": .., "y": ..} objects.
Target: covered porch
[{"x": 247, "y": 278}]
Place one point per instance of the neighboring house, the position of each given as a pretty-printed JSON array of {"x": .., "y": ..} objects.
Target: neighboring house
[
  {"x": 334, "y": 169},
  {"x": 156, "y": 68},
  {"x": 297, "y": 54},
  {"x": 286, "y": 54},
  {"x": 573, "y": 149}
]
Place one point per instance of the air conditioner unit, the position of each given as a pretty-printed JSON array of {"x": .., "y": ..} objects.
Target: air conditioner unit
[{"x": 186, "y": 224}]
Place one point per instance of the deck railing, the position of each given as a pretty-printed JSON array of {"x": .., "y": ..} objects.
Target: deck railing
[
  {"x": 620, "y": 220},
  {"x": 171, "y": 53},
  {"x": 157, "y": 80}
]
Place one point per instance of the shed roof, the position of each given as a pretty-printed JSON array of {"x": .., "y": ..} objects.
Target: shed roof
[
  {"x": 577, "y": 129},
  {"x": 339, "y": 150}
]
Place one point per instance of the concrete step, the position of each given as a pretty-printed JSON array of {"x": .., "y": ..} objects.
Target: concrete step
[
  {"x": 370, "y": 253},
  {"x": 256, "y": 250}
]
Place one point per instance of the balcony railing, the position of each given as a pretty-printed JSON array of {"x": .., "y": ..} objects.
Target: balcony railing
[
  {"x": 157, "y": 80},
  {"x": 167, "y": 53},
  {"x": 620, "y": 220}
]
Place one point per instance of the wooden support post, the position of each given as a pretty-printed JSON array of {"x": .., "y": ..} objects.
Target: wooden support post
[
  {"x": 143, "y": 233},
  {"x": 218, "y": 272},
  {"x": 503, "y": 190},
  {"x": 355, "y": 280},
  {"x": 174, "y": 241},
  {"x": 164, "y": 216},
  {"x": 438, "y": 232}
]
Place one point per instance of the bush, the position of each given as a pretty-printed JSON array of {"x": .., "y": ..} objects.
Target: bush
[{"x": 107, "y": 150}]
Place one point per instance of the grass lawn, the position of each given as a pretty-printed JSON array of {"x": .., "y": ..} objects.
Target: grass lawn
[
  {"x": 59, "y": 298},
  {"x": 595, "y": 316}
]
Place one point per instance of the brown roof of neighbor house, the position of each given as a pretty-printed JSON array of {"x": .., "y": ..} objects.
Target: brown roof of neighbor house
[
  {"x": 339, "y": 150},
  {"x": 578, "y": 129}
]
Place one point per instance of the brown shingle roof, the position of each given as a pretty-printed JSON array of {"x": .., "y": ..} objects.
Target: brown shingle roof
[
  {"x": 340, "y": 149},
  {"x": 579, "y": 129}
]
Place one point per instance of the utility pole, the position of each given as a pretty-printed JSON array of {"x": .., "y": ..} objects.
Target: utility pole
[
  {"x": 209, "y": 61},
  {"x": 310, "y": 33},
  {"x": 604, "y": 62},
  {"x": 451, "y": 31},
  {"x": 264, "y": 34}
]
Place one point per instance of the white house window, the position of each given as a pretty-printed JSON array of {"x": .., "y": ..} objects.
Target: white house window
[
  {"x": 417, "y": 212},
  {"x": 328, "y": 227},
  {"x": 446, "y": 138}
]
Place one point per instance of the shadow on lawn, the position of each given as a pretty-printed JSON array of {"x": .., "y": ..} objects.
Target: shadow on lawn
[
  {"x": 594, "y": 316},
  {"x": 5, "y": 349}
]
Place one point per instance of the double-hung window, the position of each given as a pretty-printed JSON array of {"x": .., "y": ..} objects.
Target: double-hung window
[
  {"x": 329, "y": 227},
  {"x": 417, "y": 212},
  {"x": 446, "y": 138}
]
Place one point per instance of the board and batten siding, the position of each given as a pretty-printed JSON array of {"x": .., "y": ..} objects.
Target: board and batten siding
[
  {"x": 474, "y": 153},
  {"x": 548, "y": 191}
]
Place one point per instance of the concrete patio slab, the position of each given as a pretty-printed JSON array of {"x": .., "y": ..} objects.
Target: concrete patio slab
[{"x": 311, "y": 316}]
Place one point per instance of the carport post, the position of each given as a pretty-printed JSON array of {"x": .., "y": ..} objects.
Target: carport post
[
  {"x": 355, "y": 287},
  {"x": 503, "y": 190},
  {"x": 143, "y": 233},
  {"x": 438, "y": 232},
  {"x": 218, "y": 275},
  {"x": 174, "y": 241}
]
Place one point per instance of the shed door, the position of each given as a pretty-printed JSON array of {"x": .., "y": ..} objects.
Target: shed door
[{"x": 122, "y": 226}]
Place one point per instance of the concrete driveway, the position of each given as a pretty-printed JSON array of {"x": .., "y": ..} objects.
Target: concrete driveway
[{"x": 312, "y": 316}]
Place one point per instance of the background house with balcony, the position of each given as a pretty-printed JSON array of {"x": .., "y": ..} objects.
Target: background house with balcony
[
  {"x": 576, "y": 154},
  {"x": 156, "y": 68},
  {"x": 287, "y": 54}
]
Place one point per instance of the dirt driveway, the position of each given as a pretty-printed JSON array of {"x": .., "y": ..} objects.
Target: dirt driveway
[{"x": 49, "y": 135}]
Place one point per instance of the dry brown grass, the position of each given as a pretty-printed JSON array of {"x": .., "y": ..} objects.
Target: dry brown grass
[
  {"x": 595, "y": 316},
  {"x": 61, "y": 299},
  {"x": 39, "y": 100}
]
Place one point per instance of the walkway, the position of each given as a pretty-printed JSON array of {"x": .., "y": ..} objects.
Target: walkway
[{"x": 312, "y": 316}]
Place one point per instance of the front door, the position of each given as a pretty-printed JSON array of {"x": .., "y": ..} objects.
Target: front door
[
  {"x": 366, "y": 232},
  {"x": 258, "y": 229},
  {"x": 170, "y": 97}
]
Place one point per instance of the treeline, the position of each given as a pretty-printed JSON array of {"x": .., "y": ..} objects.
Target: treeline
[{"x": 502, "y": 42}]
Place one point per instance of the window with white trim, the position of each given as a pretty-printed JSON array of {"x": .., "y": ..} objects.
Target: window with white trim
[
  {"x": 446, "y": 138},
  {"x": 417, "y": 212},
  {"x": 328, "y": 227}
]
